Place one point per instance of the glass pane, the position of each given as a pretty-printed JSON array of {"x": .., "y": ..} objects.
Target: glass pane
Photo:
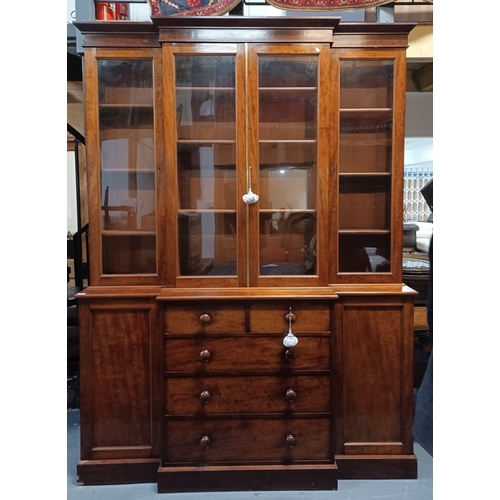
[
  {"x": 287, "y": 243},
  {"x": 366, "y": 84},
  {"x": 365, "y": 203},
  {"x": 361, "y": 253},
  {"x": 365, "y": 141},
  {"x": 205, "y": 97},
  {"x": 207, "y": 176},
  {"x": 128, "y": 253},
  {"x": 126, "y": 133},
  {"x": 287, "y": 114},
  {"x": 207, "y": 243},
  {"x": 287, "y": 187},
  {"x": 288, "y": 71}
]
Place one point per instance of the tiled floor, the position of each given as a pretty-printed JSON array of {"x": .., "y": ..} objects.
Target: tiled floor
[{"x": 416, "y": 489}]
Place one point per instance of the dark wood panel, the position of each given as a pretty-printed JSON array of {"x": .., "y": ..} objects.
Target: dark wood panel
[
  {"x": 97, "y": 472},
  {"x": 248, "y": 440},
  {"x": 248, "y": 478},
  {"x": 377, "y": 467},
  {"x": 372, "y": 384},
  {"x": 252, "y": 394},
  {"x": 237, "y": 353}
]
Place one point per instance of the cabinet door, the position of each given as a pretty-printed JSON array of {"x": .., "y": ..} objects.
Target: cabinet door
[
  {"x": 287, "y": 163},
  {"x": 370, "y": 165},
  {"x": 122, "y": 123},
  {"x": 205, "y": 93},
  {"x": 120, "y": 360}
]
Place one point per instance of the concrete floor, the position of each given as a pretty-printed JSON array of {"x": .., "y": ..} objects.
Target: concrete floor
[{"x": 415, "y": 489}]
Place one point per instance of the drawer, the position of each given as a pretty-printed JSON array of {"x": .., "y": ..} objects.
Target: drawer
[
  {"x": 246, "y": 352},
  {"x": 241, "y": 441},
  {"x": 253, "y": 394},
  {"x": 209, "y": 318},
  {"x": 270, "y": 316}
]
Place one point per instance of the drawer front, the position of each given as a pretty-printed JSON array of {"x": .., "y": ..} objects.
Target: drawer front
[
  {"x": 255, "y": 394},
  {"x": 210, "y": 318},
  {"x": 245, "y": 352},
  {"x": 248, "y": 440},
  {"x": 271, "y": 317}
]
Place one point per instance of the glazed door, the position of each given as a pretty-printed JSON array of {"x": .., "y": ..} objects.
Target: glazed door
[
  {"x": 287, "y": 164},
  {"x": 124, "y": 165},
  {"x": 205, "y": 91},
  {"x": 369, "y": 156}
]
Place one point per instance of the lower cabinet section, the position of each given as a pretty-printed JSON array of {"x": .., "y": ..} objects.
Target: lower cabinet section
[{"x": 203, "y": 395}]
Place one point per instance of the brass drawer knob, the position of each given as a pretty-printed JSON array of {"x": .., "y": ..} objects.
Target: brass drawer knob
[
  {"x": 205, "y": 443},
  {"x": 205, "y": 356},
  {"x": 290, "y": 395},
  {"x": 205, "y": 319},
  {"x": 291, "y": 441},
  {"x": 205, "y": 397}
]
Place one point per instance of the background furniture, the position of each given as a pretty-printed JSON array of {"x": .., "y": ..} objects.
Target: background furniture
[{"x": 189, "y": 372}]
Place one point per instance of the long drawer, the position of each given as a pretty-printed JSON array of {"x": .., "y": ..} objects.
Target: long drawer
[
  {"x": 254, "y": 394},
  {"x": 246, "y": 352},
  {"x": 214, "y": 441}
]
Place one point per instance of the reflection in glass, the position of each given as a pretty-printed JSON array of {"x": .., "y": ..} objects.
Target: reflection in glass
[
  {"x": 364, "y": 253},
  {"x": 126, "y": 134},
  {"x": 366, "y": 83},
  {"x": 205, "y": 97},
  {"x": 288, "y": 71},
  {"x": 286, "y": 114},
  {"x": 207, "y": 176},
  {"x": 365, "y": 202},
  {"x": 287, "y": 187},
  {"x": 287, "y": 243},
  {"x": 207, "y": 243}
]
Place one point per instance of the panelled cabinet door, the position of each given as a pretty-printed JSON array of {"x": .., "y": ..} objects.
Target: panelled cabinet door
[
  {"x": 122, "y": 124},
  {"x": 369, "y": 159},
  {"x": 250, "y": 151}
]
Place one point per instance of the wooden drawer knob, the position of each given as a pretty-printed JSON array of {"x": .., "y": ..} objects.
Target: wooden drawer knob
[
  {"x": 290, "y": 395},
  {"x": 291, "y": 441},
  {"x": 205, "y": 356},
  {"x": 205, "y": 319},
  {"x": 205, "y": 397},
  {"x": 289, "y": 354},
  {"x": 205, "y": 443}
]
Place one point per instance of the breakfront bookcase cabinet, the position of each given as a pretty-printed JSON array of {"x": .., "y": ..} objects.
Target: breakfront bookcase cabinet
[{"x": 246, "y": 326}]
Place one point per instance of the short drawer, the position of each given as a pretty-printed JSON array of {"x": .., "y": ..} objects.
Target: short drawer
[
  {"x": 246, "y": 352},
  {"x": 252, "y": 394},
  {"x": 210, "y": 318},
  {"x": 308, "y": 316},
  {"x": 241, "y": 441}
]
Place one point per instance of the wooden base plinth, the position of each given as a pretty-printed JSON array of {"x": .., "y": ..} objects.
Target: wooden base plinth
[
  {"x": 377, "y": 467},
  {"x": 99, "y": 472},
  {"x": 247, "y": 478}
]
